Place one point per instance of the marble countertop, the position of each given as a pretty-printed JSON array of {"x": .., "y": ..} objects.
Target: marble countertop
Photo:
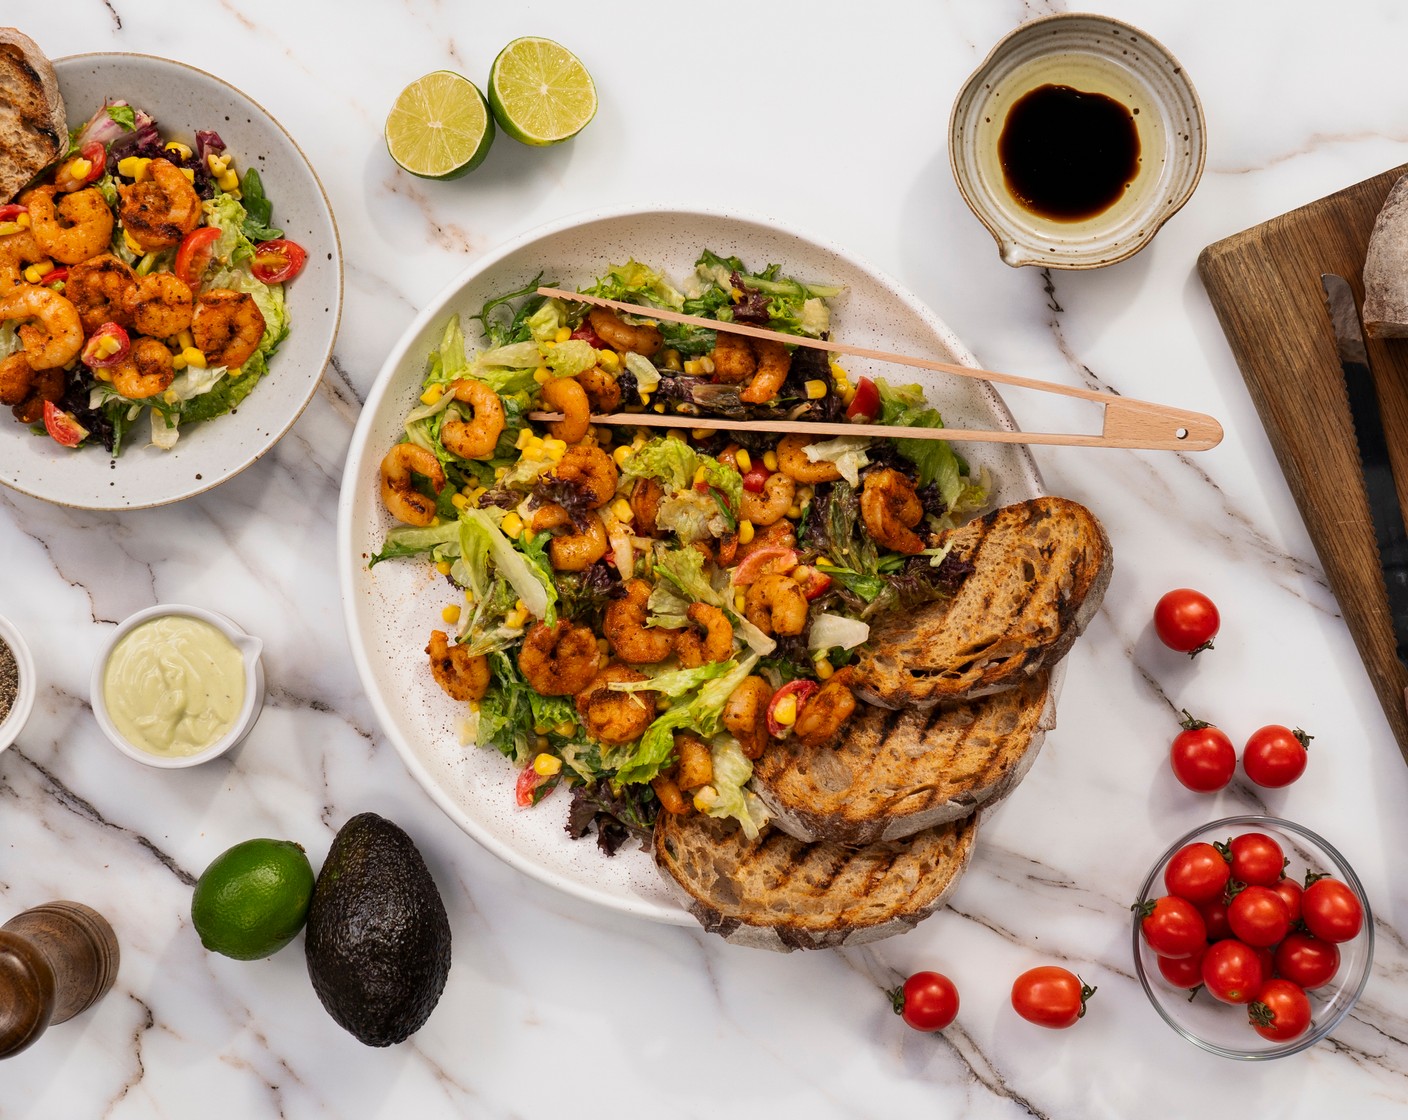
[{"x": 831, "y": 116}]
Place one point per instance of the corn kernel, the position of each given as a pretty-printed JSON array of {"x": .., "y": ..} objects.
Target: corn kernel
[
  {"x": 524, "y": 435},
  {"x": 563, "y": 334},
  {"x": 515, "y": 619},
  {"x": 78, "y": 168},
  {"x": 745, "y": 531},
  {"x": 459, "y": 501},
  {"x": 609, "y": 360},
  {"x": 542, "y": 375},
  {"x": 785, "y": 711},
  {"x": 548, "y": 344},
  {"x": 699, "y": 475},
  {"x": 700, "y": 433},
  {"x": 823, "y": 669},
  {"x": 533, "y": 454},
  {"x": 23, "y": 220},
  {"x": 107, "y": 346},
  {"x": 499, "y": 473},
  {"x": 106, "y": 374},
  {"x": 555, "y": 448},
  {"x": 540, "y": 729},
  {"x": 546, "y": 765},
  {"x": 178, "y": 363},
  {"x": 443, "y": 567},
  {"x": 744, "y": 460},
  {"x": 739, "y": 600},
  {"x": 794, "y": 512},
  {"x": 735, "y": 294},
  {"x": 512, "y": 524},
  {"x": 603, "y": 645},
  {"x": 622, "y": 509},
  {"x": 805, "y": 494},
  {"x": 603, "y": 660},
  {"x": 707, "y": 362},
  {"x": 660, "y": 408},
  {"x": 770, "y": 460},
  {"x": 520, "y": 605},
  {"x": 170, "y": 396},
  {"x": 477, "y": 493},
  {"x": 451, "y": 614},
  {"x": 622, "y": 453},
  {"x": 36, "y": 272},
  {"x": 182, "y": 152},
  {"x": 432, "y": 394},
  {"x": 670, "y": 359},
  {"x": 185, "y": 338},
  {"x": 7, "y": 228},
  {"x": 216, "y": 163},
  {"x": 645, "y": 396},
  {"x": 693, "y": 367},
  {"x": 193, "y": 357},
  {"x": 566, "y": 727},
  {"x": 816, "y": 389},
  {"x": 542, "y": 743},
  {"x": 132, "y": 246},
  {"x": 130, "y": 167},
  {"x": 704, "y": 797}
]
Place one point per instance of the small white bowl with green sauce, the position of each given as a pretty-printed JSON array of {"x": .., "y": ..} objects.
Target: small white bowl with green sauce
[
  {"x": 17, "y": 684},
  {"x": 177, "y": 685}
]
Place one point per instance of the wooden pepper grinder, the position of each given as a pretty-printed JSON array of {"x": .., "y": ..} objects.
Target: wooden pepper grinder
[{"x": 55, "y": 961}]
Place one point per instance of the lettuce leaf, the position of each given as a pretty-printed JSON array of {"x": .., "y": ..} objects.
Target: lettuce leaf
[{"x": 731, "y": 797}]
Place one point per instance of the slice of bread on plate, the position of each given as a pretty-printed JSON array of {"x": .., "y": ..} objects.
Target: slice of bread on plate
[
  {"x": 892, "y": 772},
  {"x": 777, "y": 892},
  {"x": 33, "y": 123},
  {"x": 1037, "y": 573}
]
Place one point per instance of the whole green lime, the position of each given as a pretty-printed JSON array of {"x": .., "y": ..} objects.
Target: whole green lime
[{"x": 253, "y": 899}]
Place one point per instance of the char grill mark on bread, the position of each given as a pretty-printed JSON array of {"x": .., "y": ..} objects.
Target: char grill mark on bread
[{"x": 33, "y": 124}]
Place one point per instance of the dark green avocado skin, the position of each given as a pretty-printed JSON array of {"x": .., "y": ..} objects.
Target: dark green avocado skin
[{"x": 378, "y": 938}]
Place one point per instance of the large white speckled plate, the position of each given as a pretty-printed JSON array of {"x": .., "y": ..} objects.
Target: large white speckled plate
[
  {"x": 184, "y": 99},
  {"x": 391, "y": 608}
]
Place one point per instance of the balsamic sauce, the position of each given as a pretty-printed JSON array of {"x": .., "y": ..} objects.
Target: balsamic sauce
[{"x": 1068, "y": 155}]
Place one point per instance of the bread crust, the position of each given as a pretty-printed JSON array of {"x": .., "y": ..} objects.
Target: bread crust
[
  {"x": 1386, "y": 268},
  {"x": 33, "y": 122}
]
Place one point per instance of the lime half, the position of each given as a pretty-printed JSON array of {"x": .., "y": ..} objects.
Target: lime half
[
  {"x": 540, "y": 92},
  {"x": 439, "y": 127}
]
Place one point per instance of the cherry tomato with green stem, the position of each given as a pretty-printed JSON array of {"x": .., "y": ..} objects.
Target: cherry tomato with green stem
[
  {"x": 1186, "y": 620},
  {"x": 1171, "y": 926},
  {"x": 1280, "y": 1011},
  {"x": 1233, "y": 972},
  {"x": 1275, "y": 756},
  {"x": 1258, "y": 916},
  {"x": 1197, "y": 872},
  {"x": 1256, "y": 859},
  {"x": 927, "y": 1001},
  {"x": 1330, "y": 910},
  {"x": 1290, "y": 892},
  {"x": 1304, "y": 959},
  {"x": 1202, "y": 756},
  {"x": 1183, "y": 972},
  {"x": 1050, "y": 996}
]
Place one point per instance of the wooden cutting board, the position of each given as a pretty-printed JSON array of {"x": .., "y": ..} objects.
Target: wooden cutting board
[{"x": 1265, "y": 286}]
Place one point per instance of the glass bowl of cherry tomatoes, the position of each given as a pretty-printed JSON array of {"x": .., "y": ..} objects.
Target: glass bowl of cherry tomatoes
[{"x": 1252, "y": 937}]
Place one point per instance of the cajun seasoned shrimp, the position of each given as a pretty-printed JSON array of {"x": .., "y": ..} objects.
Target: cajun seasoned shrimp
[
  {"x": 161, "y": 209},
  {"x": 52, "y": 333},
  {"x": 79, "y": 226},
  {"x": 16, "y": 376},
  {"x": 771, "y": 504},
  {"x": 401, "y": 499},
  {"x": 773, "y": 363},
  {"x": 48, "y": 385},
  {"x": 603, "y": 393},
  {"x": 775, "y": 605},
  {"x": 101, "y": 288},
  {"x": 823, "y": 715},
  {"x": 589, "y": 471},
  {"x": 793, "y": 462},
  {"x": 566, "y": 395},
  {"x": 17, "y": 250},
  {"x": 477, "y": 437},
  {"x": 646, "y": 496},
  {"x": 463, "y": 675},
  {"x": 578, "y": 550},
  {"x": 160, "y": 304},
  {"x": 146, "y": 371},
  {"x": 734, "y": 361},
  {"x": 746, "y": 715},
  {"x": 890, "y": 509},
  {"x": 559, "y": 660},
  {"x": 611, "y": 716},
  {"x": 643, "y": 338},
  {"x": 227, "y": 326},
  {"x": 624, "y": 626},
  {"x": 713, "y": 646}
]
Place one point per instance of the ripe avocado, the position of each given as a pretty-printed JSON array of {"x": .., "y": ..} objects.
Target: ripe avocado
[{"x": 378, "y": 938}]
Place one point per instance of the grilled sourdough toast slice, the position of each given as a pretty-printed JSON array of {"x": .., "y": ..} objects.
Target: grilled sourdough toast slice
[
  {"x": 892, "y": 773},
  {"x": 33, "y": 124},
  {"x": 776, "y": 892},
  {"x": 1037, "y": 571}
]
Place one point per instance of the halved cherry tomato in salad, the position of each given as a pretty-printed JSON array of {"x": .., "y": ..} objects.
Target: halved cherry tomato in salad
[
  {"x": 800, "y": 692},
  {"x": 12, "y": 210},
  {"x": 74, "y": 176},
  {"x": 62, "y": 427},
  {"x": 278, "y": 261},
  {"x": 586, "y": 334},
  {"x": 194, "y": 256},
  {"x": 106, "y": 346},
  {"x": 755, "y": 479},
  {"x": 525, "y": 791},
  {"x": 54, "y": 276},
  {"x": 865, "y": 405},
  {"x": 753, "y": 566},
  {"x": 813, "y": 582}
]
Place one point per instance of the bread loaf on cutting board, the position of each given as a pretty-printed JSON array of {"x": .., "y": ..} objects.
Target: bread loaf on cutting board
[{"x": 1386, "y": 268}]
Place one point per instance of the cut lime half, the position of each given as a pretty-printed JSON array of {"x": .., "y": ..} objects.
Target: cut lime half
[
  {"x": 440, "y": 127},
  {"x": 540, "y": 92}
]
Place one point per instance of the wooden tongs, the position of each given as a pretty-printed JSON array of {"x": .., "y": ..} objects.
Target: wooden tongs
[{"x": 1131, "y": 424}]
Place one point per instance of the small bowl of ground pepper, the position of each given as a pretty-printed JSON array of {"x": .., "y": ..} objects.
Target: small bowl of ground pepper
[{"x": 17, "y": 685}]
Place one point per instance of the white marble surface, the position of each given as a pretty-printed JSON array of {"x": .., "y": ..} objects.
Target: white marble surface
[{"x": 832, "y": 116}]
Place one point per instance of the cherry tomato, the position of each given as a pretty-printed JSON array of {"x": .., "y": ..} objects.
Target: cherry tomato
[
  {"x": 1171, "y": 926},
  {"x": 1305, "y": 959},
  {"x": 1183, "y": 972},
  {"x": 588, "y": 335},
  {"x": 62, "y": 427},
  {"x": 865, "y": 405},
  {"x": 1330, "y": 910},
  {"x": 1280, "y": 1011},
  {"x": 12, "y": 210},
  {"x": 1203, "y": 757},
  {"x": 801, "y": 690},
  {"x": 525, "y": 790},
  {"x": 1257, "y": 860},
  {"x": 70, "y": 178},
  {"x": 95, "y": 355},
  {"x": 54, "y": 276},
  {"x": 928, "y": 1001},
  {"x": 812, "y": 582},
  {"x": 1215, "y": 918},
  {"x": 755, "y": 564},
  {"x": 1232, "y": 971},
  {"x": 1050, "y": 996},
  {"x": 1275, "y": 756},
  {"x": 278, "y": 261},
  {"x": 195, "y": 254},
  {"x": 755, "y": 478},
  {"x": 1186, "y": 620},
  {"x": 1290, "y": 892},
  {"x": 1258, "y": 916},
  {"x": 1197, "y": 872}
]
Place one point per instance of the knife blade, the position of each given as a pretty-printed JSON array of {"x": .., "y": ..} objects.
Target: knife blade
[{"x": 1389, "y": 533}]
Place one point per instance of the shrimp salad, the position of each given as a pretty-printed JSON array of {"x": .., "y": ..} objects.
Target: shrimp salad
[
  {"x": 636, "y": 614},
  {"x": 140, "y": 276}
]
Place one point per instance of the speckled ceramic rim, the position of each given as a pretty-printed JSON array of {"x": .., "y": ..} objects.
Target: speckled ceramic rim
[
  {"x": 250, "y": 648},
  {"x": 1024, "y": 240},
  {"x": 1339, "y": 866},
  {"x": 18, "y": 714}
]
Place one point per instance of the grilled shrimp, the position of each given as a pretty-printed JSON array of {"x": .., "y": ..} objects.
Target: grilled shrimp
[
  {"x": 773, "y": 363},
  {"x": 746, "y": 715},
  {"x": 566, "y": 395},
  {"x": 576, "y": 551},
  {"x": 603, "y": 393},
  {"x": 101, "y": 289},
  {"x": 52, "y": 332},
  {"x": 160, "y": 304},
  {"x": 401, "y": 499},
  {"x": 227, "y": 326},
  {"x": 477, "y": 437},
  {"x": 734, "y": 361},
  {"x": 793, "y": 462},
  {"x": 891, "y": 509},
  {"x": 646, "y": 496},
  {"x": 146, "y": 371},
  {"x": 463, "y": 675},
  {"x": 79, "y": 226},
  {"x": 47, "y": 385},
  {"x": 559, "y": 660},
  {"x": 16, "y": 251},
  {"x": 829, "y": 708},
  {"x": 775, "y": 604},
  {"x": 643, "y": 338},
  {"x": 614, "y": 717},
  {"x": 16, "y": 377},
  {"x": 161, "y": 209},
  {"x": 770, "y": 505},
  {"x": 624, "y": 626},
  {"x": 713, "y": 646},
  {"x": 591, "y": 471}
]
